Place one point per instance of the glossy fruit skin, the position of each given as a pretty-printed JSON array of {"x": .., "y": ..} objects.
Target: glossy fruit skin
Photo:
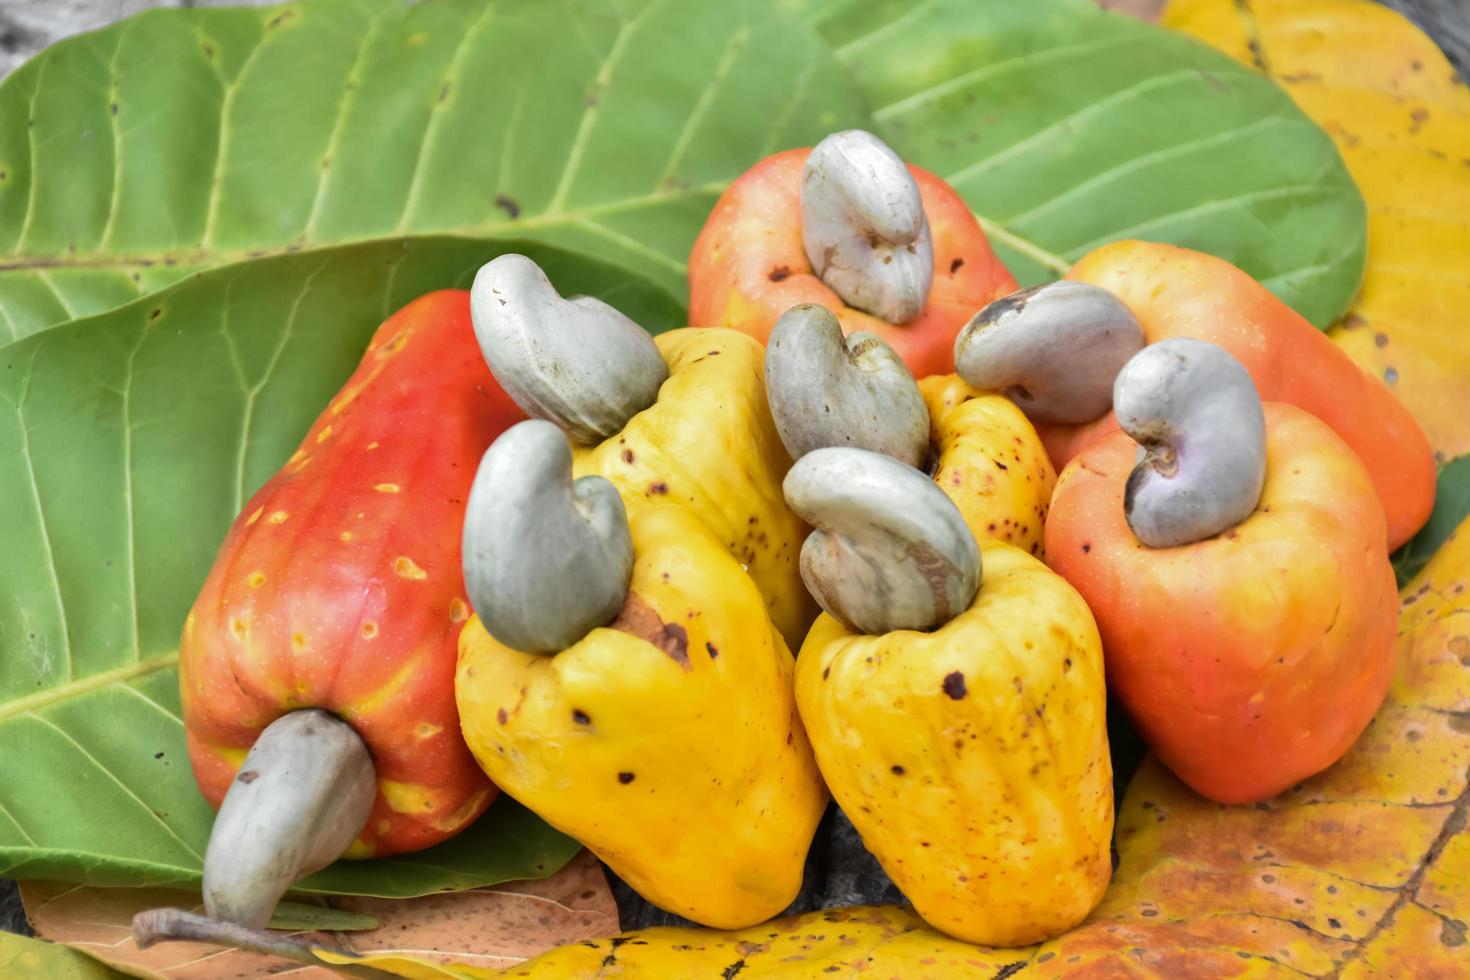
[
  {"x": 709, "y": 445},
  {"x": 1177, "y": 292},
  {"x": 339, "y": 585},
  {"x": 1253, "y": 659},
  {"x": 988, "y": 459},
  {"x": 749, "y": 265},
  {"x": 668, "y": 741},
  {"x": 974, "y": 759}
]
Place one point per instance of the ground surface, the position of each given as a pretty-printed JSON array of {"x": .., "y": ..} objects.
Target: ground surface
[{"x": 840, "y": 873}]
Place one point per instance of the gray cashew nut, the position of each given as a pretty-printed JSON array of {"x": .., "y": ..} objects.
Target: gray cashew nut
[
  {"x": 576, "y": 362},
  {"x": 1053, "y": 349},
  {"x": 547, "y": 558},
  {"x": 827, "y": 390},
  {"x": 1195, "y": 414},
  {"x": 864, "y": 227},
  {"x": 301, "y": 797},
  {"x": 890, "y": 550}
]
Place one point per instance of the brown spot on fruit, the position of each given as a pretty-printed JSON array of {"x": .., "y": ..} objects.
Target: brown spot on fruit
[
  {"x": 501, "y": 716},
  {"x": 956, "y": 265},
  {"x": 625, "y": 778},
  {"x": 954, "y": 685},
  {"x": 248, "y": 776},
  {"x": 712, "y": 650},
  {"x": 780, "y": 273},
  {"x": 628, "y": 455},
  {"x": 896, "y": 770},
  {"x": 661, "y": 488},
  {"x": 640, "y": 619},
  {"x": 581, "y": 717}
]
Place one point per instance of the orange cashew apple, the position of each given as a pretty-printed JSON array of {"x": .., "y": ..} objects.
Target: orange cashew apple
[
  {"x": 1176, "y": 292},
  {"x": 890, "y": 249},
  {"x": 1238, "y": 573}
]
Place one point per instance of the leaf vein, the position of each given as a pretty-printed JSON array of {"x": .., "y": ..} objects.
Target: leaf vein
[{"x": 97, "y": 764}]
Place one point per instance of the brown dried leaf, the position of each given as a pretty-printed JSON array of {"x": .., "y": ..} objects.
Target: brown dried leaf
[{"x": 488, "y": 927}]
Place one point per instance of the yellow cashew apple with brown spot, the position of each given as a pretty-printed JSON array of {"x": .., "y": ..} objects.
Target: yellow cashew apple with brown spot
[
  {"x": 973, "y": 759},
  {"x": 339, "y": 585},
  {"x": 668, "y": 741},
  {"x": 708, "y": 444},
  {"x": 988, "y": 459}
]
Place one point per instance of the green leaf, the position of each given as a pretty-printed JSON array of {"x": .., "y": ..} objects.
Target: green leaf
[
  {"x": 301, "y": 917},
  {"x": 1066, "y": 127},
  {"x": 181, "y": 140},
  {"x": 1451, "y": 507},
  {"x": 127, "y": 444},
  {"x": 21, "y": 956}
]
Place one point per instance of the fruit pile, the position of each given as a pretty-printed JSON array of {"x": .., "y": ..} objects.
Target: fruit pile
[{"x": 1151, "y": 478}]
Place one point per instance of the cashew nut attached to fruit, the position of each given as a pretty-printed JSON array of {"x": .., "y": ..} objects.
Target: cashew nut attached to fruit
[
  {"x": 546, "y": 558},
  {"x": 864, "y": 227},
  {"x": 301, "y": 797},
  {"x": 1194, "y": 411},
  {"x": 890, "y": 550},
  {"x": 576, "y": 362},
  {"x": 1053, "y": 349},
  {"x": 827, "y": 390}
]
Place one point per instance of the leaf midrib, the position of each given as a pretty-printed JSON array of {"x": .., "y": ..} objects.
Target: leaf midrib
[
  {"x": 203, "y": 256},
  {"x": 86, "y": 685}
]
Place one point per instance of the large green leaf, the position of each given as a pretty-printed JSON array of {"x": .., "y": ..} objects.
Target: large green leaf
[
  {"x": 1066, "y": 127},
  {"x": 127, "y": 444},
  {"x": 185, "y": 139}
]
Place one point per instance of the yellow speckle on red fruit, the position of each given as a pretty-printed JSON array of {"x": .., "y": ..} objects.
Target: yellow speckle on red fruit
[
  {"x": 278, "y": 517},
  {"x": 298, "y": 640},
  {"x": 459, "y": 611},
  {"x": 425, "y": 730},
  {"x": 324, "y": 435},
  {"x": 255, "y": 516},
  {"x": 256, "y": 579},
  {"x": 406, "y": 567},
  {"x": 385, "y": 488},
  {"x": 369, "y": 630},
  {"x": 372, "y": 445},
  {"x": 345, "y": 536}
]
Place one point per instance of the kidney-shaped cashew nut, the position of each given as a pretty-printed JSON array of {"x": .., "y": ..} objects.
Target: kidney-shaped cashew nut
[
  {"x": 302, "y": 795},
  {"x": 830, "y": 390},
  {"x": 1194, "y": 411},
  {"x": 890, "y": 550},
  {"x": 576, "y": 362},
  {"x": 1055, "y": 350},
  {"x": 546, "y": 558},
  {"x": 864, "y": 227}
]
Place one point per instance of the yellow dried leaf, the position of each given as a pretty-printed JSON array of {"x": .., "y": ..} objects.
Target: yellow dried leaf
[
  {"x": 872, "y": 941},
  {"x": 1401, "y": 119}
]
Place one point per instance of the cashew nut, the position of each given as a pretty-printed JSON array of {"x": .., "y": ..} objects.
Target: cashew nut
[
  {"x": 827, "y": 390},
  {"x": 301, "y": 797},
  {"x": 1194, "y": 411},
  {"x": 1054, "y": 349},
  {"x": 890, "y": 550},
  {"x": 546, "y": 558},
  {"x": 576, "y": 362},
  {"x": 864, "y": 227}
]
